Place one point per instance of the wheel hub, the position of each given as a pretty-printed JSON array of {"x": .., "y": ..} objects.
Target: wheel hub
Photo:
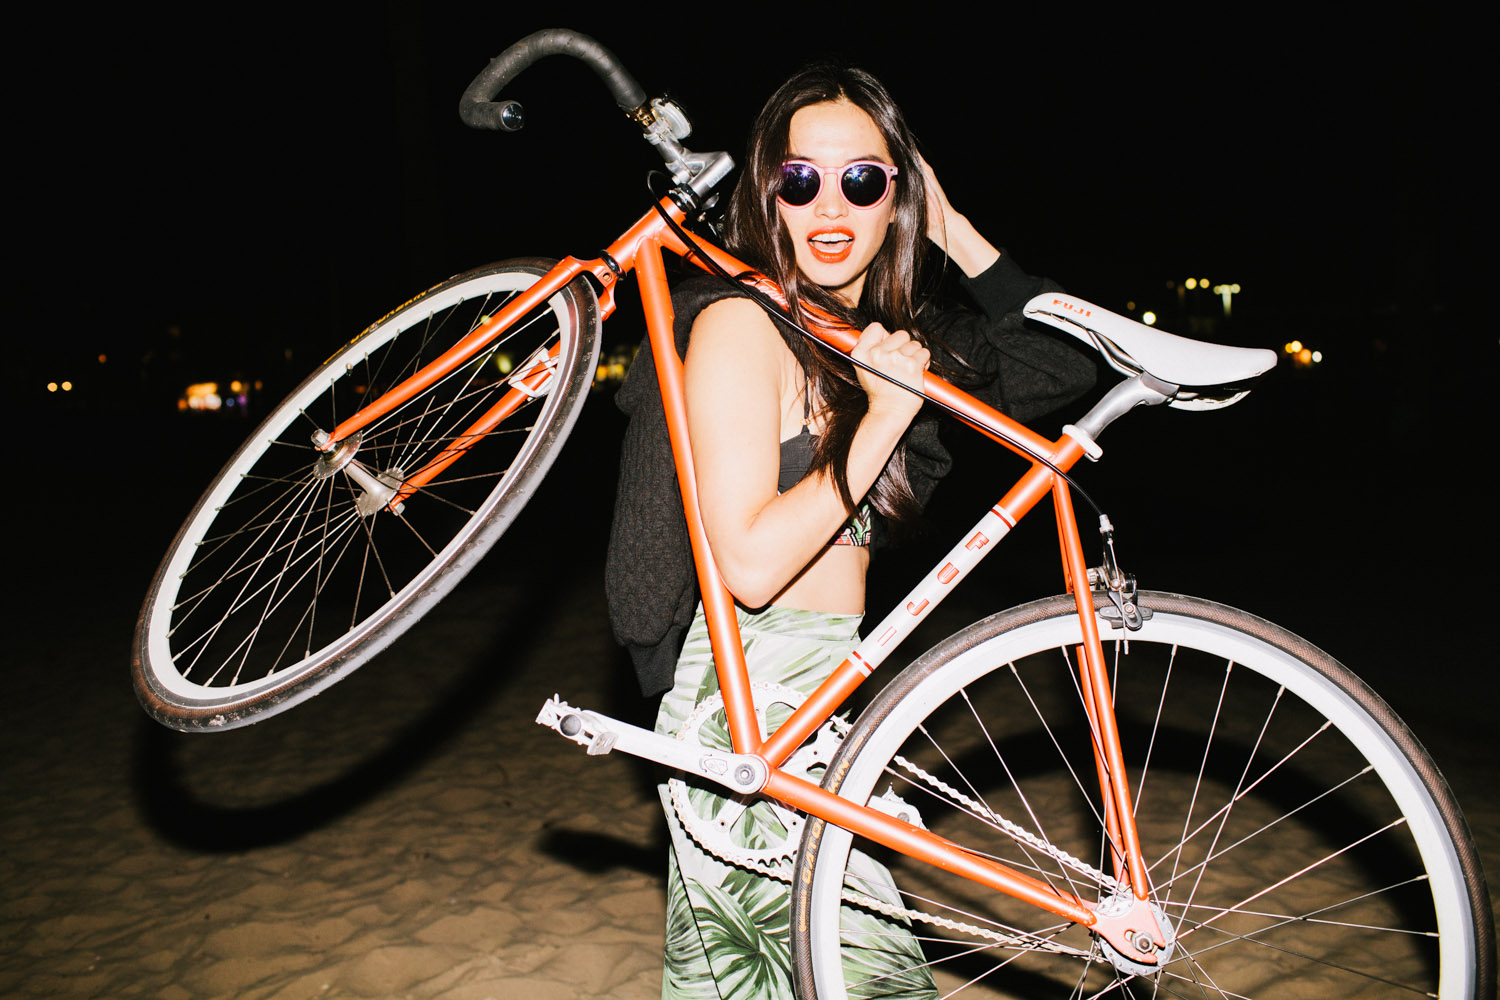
[
  {"x": 378, "y": 486},
  {"x": 1133, "y": 932},
  {"x": 340, "y": 456}
]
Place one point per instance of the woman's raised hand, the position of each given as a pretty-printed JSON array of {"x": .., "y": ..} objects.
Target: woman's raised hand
[
  {"x": 952, "y": 232},
  {"x": 897, "y": 356}
]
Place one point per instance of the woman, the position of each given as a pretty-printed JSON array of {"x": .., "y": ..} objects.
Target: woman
[{"x": 797, "y": 457}]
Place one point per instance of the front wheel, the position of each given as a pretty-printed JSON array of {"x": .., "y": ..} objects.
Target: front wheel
[
  {"x": 300, "y": 563},
  {"x": 1296, "y": 835}
]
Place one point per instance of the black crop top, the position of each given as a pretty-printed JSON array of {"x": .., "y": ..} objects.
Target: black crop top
[
  {"x": 797, "y": 452},
  {"x": 796, "y": 459}
]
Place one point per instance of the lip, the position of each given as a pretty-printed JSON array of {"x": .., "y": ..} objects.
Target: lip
[{"x": 823, "y": 253}]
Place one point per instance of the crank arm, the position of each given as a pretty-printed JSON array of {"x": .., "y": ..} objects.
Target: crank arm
[{"x": 742, "y": 774}]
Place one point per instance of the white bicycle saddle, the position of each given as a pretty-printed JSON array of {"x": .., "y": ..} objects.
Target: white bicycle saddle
[{"x": 1210, "y": 374}]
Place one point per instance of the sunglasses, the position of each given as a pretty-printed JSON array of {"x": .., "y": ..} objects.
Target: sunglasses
[{"x": 863, "y": 183}]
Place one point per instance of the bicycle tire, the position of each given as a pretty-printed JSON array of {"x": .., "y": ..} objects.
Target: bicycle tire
[
  {"x": 1220, "y": 716},
  {"x": 277, "y": 585}
]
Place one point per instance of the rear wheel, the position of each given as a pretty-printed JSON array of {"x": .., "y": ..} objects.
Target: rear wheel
[
  {"x": 294, "y": 569},
  {"x": 1296, "y": 835}
]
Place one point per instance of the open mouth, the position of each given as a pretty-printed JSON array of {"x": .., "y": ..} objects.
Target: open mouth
[{"x": 831, "y": 245}]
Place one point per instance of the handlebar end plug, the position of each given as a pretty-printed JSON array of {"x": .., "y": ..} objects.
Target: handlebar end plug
[{"x": 512, "y": 117}]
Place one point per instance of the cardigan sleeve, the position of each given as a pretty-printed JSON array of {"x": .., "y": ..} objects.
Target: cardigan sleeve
[{"x": 1022, "y": 372}]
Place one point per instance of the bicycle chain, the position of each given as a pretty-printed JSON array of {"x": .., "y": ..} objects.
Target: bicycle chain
[
  {"x": 750, "y": 859},
  {"x": 1011, "y": 829}
]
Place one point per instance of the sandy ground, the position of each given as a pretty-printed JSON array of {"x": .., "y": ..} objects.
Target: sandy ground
[
  {"x": 411, "y": 833},
  {"x": 416, "y": 836}
]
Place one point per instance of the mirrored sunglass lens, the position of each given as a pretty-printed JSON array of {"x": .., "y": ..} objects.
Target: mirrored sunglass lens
[
  {"x": 799, "y": 184},
  {"x": 863, "y": 185}
]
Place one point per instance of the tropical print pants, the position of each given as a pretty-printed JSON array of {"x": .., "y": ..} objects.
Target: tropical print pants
[{"x": 728, "y": 929}]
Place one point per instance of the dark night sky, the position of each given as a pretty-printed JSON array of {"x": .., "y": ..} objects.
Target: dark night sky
[
  {"x": 263, "y": 183},
  {"x": 268, "y": 181}
]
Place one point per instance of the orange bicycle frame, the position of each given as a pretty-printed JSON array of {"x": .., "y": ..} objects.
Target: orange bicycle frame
[{"x": 640, "y": 249}]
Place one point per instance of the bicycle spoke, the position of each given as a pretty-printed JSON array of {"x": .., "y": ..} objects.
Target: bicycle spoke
[
  {"x": 1235, "y": 796},
  {"x": 1257, "y": 832},
  {"x": 256, "y": 565},
  {"x": 1062, "y": 755},
  {"x": 1010, "y": 778},
  {"x": 1208, "y": 741},
  {"x": 1311, "y": 917},
  {"x": 346, "y": 531},
  {"x": 1278, "y": 855},
  {"x": 1161, "y": 703}
]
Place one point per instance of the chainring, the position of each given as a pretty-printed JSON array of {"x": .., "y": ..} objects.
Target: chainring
[{"x": 716, "y": 832}]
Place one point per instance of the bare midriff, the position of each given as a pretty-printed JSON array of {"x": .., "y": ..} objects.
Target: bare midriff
[{"x": 833, "y": 582}]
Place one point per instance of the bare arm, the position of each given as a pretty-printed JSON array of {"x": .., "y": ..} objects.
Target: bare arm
[{"x": 740, "y": 377}]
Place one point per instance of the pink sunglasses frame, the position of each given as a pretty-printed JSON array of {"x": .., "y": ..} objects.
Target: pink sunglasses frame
[{"x": 823, "y": 172}]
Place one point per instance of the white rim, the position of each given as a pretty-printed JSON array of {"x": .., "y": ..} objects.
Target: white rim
[
  {"x": 1456, "y": 970},
  {"x": 157, "y": 650}
]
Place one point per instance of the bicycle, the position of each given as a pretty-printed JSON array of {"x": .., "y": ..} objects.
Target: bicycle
[{"x": 1182, "y": 730}]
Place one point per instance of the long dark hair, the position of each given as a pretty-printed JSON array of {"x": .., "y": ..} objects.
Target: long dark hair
[{"x": 755, "y": 232}]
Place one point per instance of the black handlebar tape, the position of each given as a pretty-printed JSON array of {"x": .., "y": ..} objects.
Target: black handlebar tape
[{"x": 478, "y": 109}]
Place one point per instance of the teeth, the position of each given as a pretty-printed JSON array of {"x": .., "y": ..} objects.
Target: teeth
[{"x": 831, "y": 238}]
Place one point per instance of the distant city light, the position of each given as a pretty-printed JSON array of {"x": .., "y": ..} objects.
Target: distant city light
[
  {"x": 614, "y": 365},
  {"x": 1302, "y": 356},
  {"x": 1191, "y": 283},
  {"x": 51, "y": 386},
  {"x": 1227, "y": 293},
  {"x": 67, "y": 387},
  {"x": 201, "y": 396},
  {"x": 1148, "y": 317},
  {"x": 103, "y": 358}
]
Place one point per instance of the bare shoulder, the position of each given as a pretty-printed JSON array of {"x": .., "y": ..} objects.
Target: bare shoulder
[
  {"x": 736, "y": 338},
  {"x": 737, "y": 320}
]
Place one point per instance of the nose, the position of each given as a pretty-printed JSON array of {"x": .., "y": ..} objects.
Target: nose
[{"x": 830, "y": 203}]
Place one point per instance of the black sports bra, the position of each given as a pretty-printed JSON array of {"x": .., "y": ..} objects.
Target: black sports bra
[{"x": 796, "y": 459}]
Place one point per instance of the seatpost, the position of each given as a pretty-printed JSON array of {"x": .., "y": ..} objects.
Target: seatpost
[{"x": 1138, "y": 390}]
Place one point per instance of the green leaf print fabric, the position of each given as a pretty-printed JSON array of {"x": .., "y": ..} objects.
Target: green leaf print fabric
[{"x": 728, "y": 930}]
